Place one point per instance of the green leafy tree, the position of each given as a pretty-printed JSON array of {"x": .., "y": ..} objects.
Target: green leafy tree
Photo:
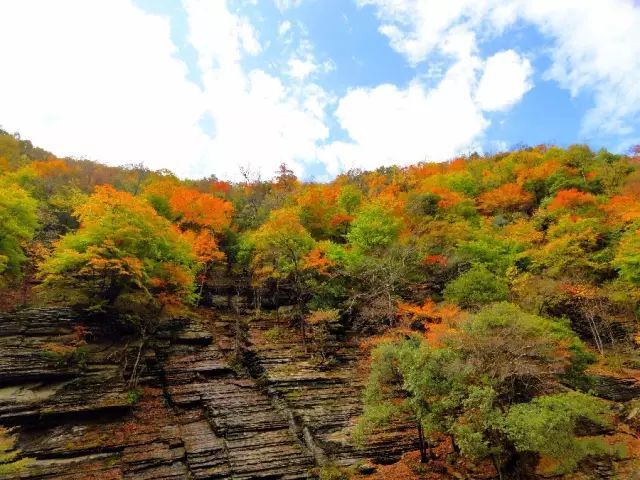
[
  {"x": 373, "y": 228},
  {"x": 410, "y": 381},
  {"x": 277, "y": 250},
  {"x": 511, "y": 356},
  {"x": 124, "y": 257},
  {"x": 376, "y": 283},
  {"x": 478, "y": 384},
  {"x": 547, "y": 426},
  {"x": 279, "y": 247},
  {"x": 519, "y": 353},
  {"x": 476, "y": 287},
  {"x": 494, "y": 254},
  {"x": 350, "y": 198},
  {"x": 627, "y": 258},
  {"x": 18, "y": 222}
]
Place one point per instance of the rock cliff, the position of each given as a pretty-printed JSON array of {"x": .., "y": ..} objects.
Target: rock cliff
[{"x": 194, "y": 414}]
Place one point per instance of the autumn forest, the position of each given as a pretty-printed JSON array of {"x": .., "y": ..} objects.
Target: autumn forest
[{"x": 486, "y": 307}]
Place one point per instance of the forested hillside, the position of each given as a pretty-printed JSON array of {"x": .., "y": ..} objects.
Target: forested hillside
[{"x": 493, "y": 300}]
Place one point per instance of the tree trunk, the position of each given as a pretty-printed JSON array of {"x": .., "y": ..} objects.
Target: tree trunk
[
  {"x": 497, "y": 466},
  {"x": 133, "y": 379},
  {"x": 456, "y": 447},
  {"x": 237, "y": 339},
  {"x": 424, "y": 458},
  {"x": 205, "y": 271},
  {"x": 595, "y": 332}
]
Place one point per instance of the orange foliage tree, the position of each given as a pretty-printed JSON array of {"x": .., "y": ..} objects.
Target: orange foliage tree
[
  {"x": 570, "y": 199},
  {"x": 319, "y": 211},
  {"x": 509, "y": 197},
  {"x": 625, "y": 207},
  {"x": 200, "y": 216},
  {"x": 201, "y": 210}
]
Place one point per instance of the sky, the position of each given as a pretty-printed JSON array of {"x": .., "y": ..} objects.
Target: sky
[{"x": 207, "y": 87}]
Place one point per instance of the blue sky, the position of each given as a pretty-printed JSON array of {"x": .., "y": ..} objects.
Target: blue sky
[{"x": 205, "y": 86}]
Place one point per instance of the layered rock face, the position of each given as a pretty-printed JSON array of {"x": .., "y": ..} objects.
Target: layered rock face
[
  {"x": 192, "y": 416},
  {"x": 196, "y": 418},
  {"x": 230, "y": 428},
  {"x": 324, "y": 402}
]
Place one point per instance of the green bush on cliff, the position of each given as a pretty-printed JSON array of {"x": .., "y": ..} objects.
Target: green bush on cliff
[
  {"x": 483, "y": 385},
  {"x": 547, "y": 425}
]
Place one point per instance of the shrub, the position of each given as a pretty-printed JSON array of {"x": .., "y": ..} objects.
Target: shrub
[
  {"x": 476, "y": 287},
  {"x": 547, "y": 425}
]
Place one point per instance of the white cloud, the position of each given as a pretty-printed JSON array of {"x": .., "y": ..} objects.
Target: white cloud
[
  {"x": 98, "y": 79},
  {"x": 505, "y": 80},
  {"x": 303, "y": 63},
  {"x": 597, "y": 49},
  {"x": 595, "y": 43},
  {"x": 287, "y": 4},
  {"x": 388, "y": 125},
  {"x": 260, "y": 121},
  {"x": 416, "y": 28},
  {"x": 77, "y": 88},
  {"x": 301, "y": 68},
  {"x": 284, "y": 27},
  {"x": 391, "y": 125},
  {"x": 219, "y": 36}
]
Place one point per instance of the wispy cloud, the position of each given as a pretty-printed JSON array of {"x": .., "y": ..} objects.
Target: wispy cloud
[{"x": 595, "y": 43}]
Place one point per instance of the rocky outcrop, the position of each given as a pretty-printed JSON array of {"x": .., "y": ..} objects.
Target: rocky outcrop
[
  {"x": 196, "y": 417},
  {"x": 24, "y": 336},
  {"x": 323, "y": 402},
  {"x": 196, "y": 414},
  {"x": 231, "y": 428},
  {"x": 616, "y": 388},
  {"x": 71, "y": 408}
]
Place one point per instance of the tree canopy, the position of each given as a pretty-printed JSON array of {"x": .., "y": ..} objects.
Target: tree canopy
[
  {"x": 18, "y": 222},
  {"x": 485, "y": 291},
  {"x": 123, "y": 255}
]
